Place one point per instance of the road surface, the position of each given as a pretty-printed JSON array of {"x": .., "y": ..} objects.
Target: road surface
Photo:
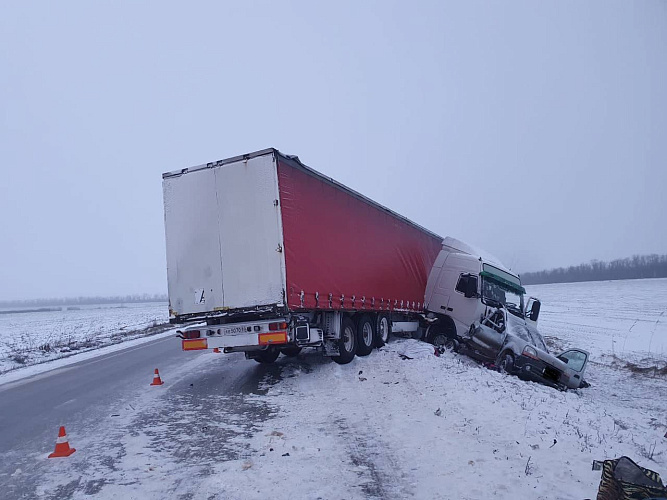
[{"x": 118, "y": 422}]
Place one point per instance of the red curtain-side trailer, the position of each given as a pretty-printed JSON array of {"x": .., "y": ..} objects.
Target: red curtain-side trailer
[
  {"x": 344, "y": 251},
  {"x": 275, "y": 256}
]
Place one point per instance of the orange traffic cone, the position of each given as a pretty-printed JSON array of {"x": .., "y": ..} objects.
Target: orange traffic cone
[
  {"x": 216, "y": 350},
  {"x": 62, "y": 446},
  {"x": 156, "y": 379}
]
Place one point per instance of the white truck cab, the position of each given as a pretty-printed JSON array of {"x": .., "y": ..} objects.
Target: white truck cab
[{"x": 464, "y": 284}]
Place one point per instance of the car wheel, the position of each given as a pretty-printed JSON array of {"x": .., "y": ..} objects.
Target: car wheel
[
  {"x": 291, "y": 352},
  {"x": 347, "y": 344},
  {"x": 506, "y": 364},
  {"x": 451, "y": 344},
  {"x": 267, "y": 356},
  {"x": 365, "y": 335},
  {"x": 382, "y": 330}
]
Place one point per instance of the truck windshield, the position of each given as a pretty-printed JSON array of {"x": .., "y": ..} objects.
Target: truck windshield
[{"x": 495, "y": 293}]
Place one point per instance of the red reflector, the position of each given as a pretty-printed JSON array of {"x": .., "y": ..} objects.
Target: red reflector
[
  {"x": 192, "y": 334},
  {"x": 277, "y": 326}
]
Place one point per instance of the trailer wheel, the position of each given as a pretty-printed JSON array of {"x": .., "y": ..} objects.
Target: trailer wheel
[
  {"x": 267, "y": 356},
  {"x": 383, "y": 330},
  {"x": 291, "y": 352},
  {"x": 365, "y": 335},
  {"x": 347, "y": 345}
]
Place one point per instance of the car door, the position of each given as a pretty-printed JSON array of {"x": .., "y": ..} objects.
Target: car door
[
  {"x": 488, "y": 339},
  {"x": 575, "y": 361}
]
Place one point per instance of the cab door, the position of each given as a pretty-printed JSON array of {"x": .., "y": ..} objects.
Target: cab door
[{"x": 463, "y": 308}]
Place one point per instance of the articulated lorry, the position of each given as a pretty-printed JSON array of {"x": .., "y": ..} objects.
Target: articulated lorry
[{"x": 274, "y": 257}]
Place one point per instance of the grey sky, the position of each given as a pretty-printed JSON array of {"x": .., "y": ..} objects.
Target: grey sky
[{"x": 535, "y": 130}]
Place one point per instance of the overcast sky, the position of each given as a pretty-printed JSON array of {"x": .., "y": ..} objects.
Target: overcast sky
[{"x": 534, "y": 130}]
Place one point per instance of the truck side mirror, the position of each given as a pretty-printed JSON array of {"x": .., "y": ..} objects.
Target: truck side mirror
[
  {"x": 470, "y": 287},
  {"x": 534, "y": 311}
]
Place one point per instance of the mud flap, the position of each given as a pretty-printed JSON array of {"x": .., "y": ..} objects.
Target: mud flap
[{"x": 331, "y": 347}]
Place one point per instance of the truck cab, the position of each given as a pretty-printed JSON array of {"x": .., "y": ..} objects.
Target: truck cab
[{"x": 466, "y": 285}]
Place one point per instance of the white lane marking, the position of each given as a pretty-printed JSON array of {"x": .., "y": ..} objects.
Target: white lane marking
[{"x": 65, "y": 403}]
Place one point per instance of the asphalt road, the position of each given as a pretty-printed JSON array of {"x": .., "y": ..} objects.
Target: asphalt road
[{"x": 103, "y": 400}]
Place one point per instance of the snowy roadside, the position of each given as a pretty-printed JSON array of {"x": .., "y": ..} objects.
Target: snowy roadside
[
  {"x": 442, "y": 427},
  {"x": 380, "y": 427},
  {"x": 22, "y": 372},
  {"x": 36, "y": 338},
  {"x": 445, "y": 427}
]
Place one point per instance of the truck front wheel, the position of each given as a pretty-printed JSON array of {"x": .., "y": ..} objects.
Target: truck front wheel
[
  {"x": 347, "y": 344},
  {"x": 439, "y": 334}
]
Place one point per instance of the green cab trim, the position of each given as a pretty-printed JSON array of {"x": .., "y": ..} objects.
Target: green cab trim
[{"x": 513, "y": 287}]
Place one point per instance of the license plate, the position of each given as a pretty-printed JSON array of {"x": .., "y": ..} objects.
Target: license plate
[{"x": 236, "y": 330}]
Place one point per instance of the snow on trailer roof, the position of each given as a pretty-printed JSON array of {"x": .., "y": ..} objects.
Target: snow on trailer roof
[{"x": 294, "y": 161}]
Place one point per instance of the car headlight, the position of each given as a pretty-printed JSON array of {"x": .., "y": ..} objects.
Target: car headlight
[{"x": 529, "y": 351}]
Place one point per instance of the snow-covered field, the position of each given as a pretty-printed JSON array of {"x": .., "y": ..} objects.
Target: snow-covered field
[
  {"x": 35, "y": 337},
  {"x": 615, "y": 320}
]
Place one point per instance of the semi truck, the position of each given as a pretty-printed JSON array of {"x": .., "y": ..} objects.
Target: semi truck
[{"x": 269, "y": 256}]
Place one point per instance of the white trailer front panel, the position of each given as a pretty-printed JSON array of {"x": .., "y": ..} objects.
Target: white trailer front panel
[{"x": 224, "y": 237}]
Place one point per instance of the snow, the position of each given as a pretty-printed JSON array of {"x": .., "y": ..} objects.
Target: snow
[
  {"x": 445, "y": 427},
  {"x": 383, "y": 426},
  {"x": 36, "y": 337},
  {"x": 442, "y": 427},
  {"x": 616, "y": 321},
  {"x": 25, "y": 372}
]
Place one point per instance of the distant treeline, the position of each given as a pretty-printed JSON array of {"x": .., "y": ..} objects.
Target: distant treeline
[
  {"x": 75, "y": 301},
  {"x": 636, "y": 267}
]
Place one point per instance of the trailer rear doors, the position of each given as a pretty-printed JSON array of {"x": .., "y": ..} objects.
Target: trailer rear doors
[{"x": 224, "y": 236}]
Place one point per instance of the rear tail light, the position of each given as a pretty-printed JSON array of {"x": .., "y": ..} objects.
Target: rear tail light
[
  {"x": 192, "y": 334},
  {"x": 277, "y": 326}
]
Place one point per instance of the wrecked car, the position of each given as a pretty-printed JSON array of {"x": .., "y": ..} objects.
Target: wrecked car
[{"x": 506, "y": 335}]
